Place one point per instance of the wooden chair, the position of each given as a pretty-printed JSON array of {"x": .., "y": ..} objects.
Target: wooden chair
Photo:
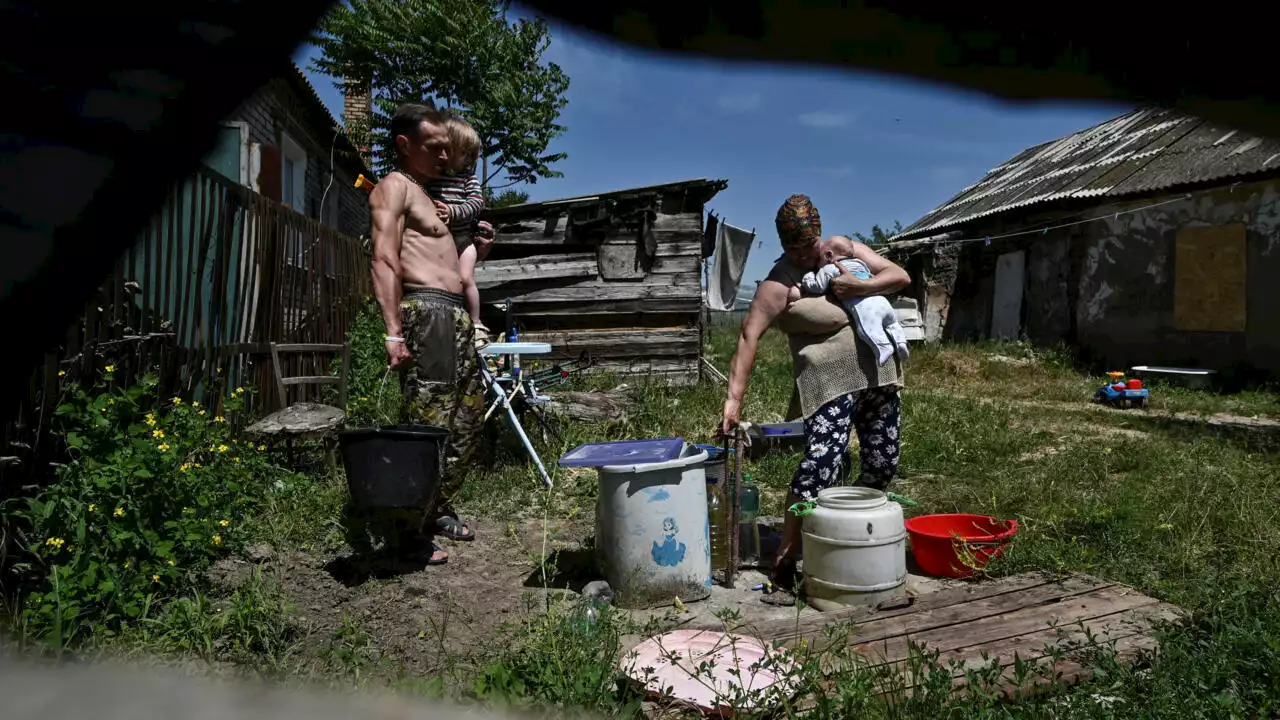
[{"x": 306, "y": 421}]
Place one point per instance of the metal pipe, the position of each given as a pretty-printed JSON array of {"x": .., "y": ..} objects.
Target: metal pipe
[{"x": 734, "y": 507}]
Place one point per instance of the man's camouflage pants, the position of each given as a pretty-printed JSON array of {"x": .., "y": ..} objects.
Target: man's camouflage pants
[{"x": 442, "y": 384}]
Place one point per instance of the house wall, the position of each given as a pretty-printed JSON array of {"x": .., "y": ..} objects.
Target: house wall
[
  {"x": 1114, "y": 287},
  {"x": 1130, "y": 283},
  {"x": 277, "y": 108}
]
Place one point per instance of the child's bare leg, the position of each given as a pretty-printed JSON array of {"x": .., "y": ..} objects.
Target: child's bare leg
[{"x": 467, "y": 268}]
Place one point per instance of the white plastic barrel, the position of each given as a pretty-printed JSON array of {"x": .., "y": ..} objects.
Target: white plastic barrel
[
  {"x": 855, "y": 547},
  {"x": 652, "y": 535}
]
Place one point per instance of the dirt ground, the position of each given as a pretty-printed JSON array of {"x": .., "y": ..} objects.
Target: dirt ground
[
  {"x": 419, "y": 620},
  {"x": 416, "y": 617}
]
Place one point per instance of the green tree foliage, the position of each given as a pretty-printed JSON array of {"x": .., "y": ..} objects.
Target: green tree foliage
[
  {"x": 878, "y": 235},
  {"x": 463, "y": 55},
  {"x": 506, "y": 198}
]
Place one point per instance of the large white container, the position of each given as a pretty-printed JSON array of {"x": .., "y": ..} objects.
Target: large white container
[
  {"x": 652, "y": 535},
  {"x": 855, "y": 547}
]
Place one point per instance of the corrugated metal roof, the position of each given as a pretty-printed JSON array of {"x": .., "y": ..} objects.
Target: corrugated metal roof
[{"x": 1141, "y": 152}]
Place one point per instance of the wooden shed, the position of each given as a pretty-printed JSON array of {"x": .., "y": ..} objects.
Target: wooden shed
[{"x": 616, "y": 275}]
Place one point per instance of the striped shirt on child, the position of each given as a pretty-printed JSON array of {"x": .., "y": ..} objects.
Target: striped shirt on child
[{"x": 465, "y": 198}]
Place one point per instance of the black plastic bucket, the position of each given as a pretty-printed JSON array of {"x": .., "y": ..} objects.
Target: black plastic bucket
[{"x": 394, "y": 466}]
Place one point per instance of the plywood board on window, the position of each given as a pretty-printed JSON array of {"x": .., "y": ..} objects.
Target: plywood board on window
[{"x": 1209, "y": 279}]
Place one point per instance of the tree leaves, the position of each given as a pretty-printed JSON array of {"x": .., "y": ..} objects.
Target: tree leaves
[
  {"x": 459, "y": 54},
  {"x": 878, "y": 236}
]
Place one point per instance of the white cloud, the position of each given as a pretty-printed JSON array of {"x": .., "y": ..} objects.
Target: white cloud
[
  {"x": 825, "y": 119},
  {"x": 739, "y": 103}
]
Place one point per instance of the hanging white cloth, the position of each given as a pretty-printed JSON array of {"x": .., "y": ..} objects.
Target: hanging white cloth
[{"x": 733, "y": 245}]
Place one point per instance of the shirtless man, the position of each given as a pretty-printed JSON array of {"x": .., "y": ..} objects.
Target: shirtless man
[{"x": 419, "y": 288}]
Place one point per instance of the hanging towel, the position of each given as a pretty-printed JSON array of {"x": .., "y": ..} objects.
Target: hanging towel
[
  {"x": 733, "y": 245},
  {"x": 709, "y": 236}
]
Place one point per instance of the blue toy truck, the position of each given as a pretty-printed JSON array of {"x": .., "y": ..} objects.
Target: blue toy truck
[{"x": 1121, "y": 394}]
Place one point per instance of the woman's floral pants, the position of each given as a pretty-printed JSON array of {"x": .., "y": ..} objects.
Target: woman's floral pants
[{"x": 874, "y": 414}]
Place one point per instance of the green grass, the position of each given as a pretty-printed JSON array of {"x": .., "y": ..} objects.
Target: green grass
[{"x": 1180, "y": 513}]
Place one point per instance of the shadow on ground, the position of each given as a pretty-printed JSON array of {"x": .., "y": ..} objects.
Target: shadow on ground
[{"x": 568, "y": 569}]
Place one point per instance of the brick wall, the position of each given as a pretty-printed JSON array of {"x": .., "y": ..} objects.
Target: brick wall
[{"x": 276, "y": 107}]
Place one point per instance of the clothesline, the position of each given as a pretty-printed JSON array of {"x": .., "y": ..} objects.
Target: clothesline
[{"x": 946, "y": 241}]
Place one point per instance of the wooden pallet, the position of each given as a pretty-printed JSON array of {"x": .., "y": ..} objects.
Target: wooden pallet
[{"x": 1023, "y": 617}]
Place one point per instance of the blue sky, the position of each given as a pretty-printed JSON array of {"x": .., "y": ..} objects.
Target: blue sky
[{"x": 867, "y": 148}]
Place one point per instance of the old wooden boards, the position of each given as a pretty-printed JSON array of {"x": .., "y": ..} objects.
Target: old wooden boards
[{"x": 1026, "y": 617}]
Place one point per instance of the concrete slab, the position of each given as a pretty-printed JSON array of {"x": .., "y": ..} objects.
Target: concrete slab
[{"x": 741, "y": 606}]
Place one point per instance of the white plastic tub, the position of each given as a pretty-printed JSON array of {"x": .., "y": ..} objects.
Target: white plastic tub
[
  {"x": 652, "y": 534},
  {"x": 855, "y": 547},
  {"x": 1186, "y": 377}
]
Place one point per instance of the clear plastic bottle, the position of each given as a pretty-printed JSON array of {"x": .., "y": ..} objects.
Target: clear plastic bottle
[
  {"x": 748, "y": 530},
  {"x": 717, "y": 517}
]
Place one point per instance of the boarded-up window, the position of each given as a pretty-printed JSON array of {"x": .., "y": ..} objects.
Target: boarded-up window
[{"x": 1209, "y": 283}]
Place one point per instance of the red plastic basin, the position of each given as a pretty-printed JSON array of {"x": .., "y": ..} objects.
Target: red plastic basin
[{"x": 938, "y": 542}]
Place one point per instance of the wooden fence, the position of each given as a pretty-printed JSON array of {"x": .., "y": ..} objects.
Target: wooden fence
[{"x": 219, "y": 274}]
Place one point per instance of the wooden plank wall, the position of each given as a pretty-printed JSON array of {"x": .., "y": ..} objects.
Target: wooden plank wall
[
  {"x": 218, "y": 274},
  {"x": 648, "y": 323}
]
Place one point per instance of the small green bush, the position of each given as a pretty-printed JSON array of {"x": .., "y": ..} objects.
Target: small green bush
[
  {"x": 373, "y": 396},
  {"x": 154, "y": 492}
]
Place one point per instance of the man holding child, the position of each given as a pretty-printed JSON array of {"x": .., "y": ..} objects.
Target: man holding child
[{"x": 423, "y": 278}]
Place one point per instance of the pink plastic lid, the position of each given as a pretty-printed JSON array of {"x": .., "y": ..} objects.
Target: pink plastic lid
[{"x": 698, "y": 667}]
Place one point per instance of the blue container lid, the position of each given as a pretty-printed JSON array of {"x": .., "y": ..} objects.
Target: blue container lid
[
  {"x": 623, "y": 452},
  {"x": 783, "y": 429},
  {"x": 713, "y": 451}
]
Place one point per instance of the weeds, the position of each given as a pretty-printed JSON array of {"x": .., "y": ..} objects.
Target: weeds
[{"x": 154, "y": 491}]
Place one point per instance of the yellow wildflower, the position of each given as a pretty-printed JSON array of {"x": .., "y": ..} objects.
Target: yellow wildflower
[
  {"x": 62, "y": 373},
  {"x": 236, "y": 459},
  {"x": 177, "y": 401},
  {"x": 157, "y": 433},
  {"x": 185, "y": 467},
  {"x": 126, "y": 564},
  {"x": 171, "y": 563},
  {"x": 151, "y": 420},
  {"x": 110, "y": 368},
  {"x": 262, "y": 448},
  {"x": 55, "y": 542},
  {"x": 217, "y": 539},
  {"x": 223, "y": 448},
  {"x": 224, "y": 523},
  {"x": 198, "y": 465},
  {"x": 219, "y": 419},
  {"x": 163, "y": 447},
  {"x": 201, "y": 413},
  {"x": 92, "y": 507},
  {"x": 119, "y": 512},
  {"x": 155, "y": 578},
  {"x": 239, "y": 390},
  {"x": 195, "y": 404}
]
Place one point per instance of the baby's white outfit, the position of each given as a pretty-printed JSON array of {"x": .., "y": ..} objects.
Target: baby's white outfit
[{"x": 874, "y": 319}]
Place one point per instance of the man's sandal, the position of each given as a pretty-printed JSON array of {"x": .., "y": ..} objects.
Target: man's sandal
[{"x": 454, "y": 529}]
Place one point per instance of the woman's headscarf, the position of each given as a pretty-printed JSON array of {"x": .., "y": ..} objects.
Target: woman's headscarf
[{"x": 798, "y": 222}]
